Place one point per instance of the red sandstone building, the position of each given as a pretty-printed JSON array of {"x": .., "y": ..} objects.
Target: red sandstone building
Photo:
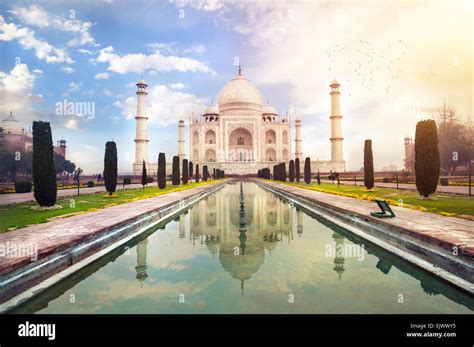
[{"x": 15, "y": 137}]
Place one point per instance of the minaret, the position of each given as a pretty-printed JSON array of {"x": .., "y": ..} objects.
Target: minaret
[
  {"x": 181, "y": 140},
  {"x": 299, "y": 222},
  {"x": 298, "y": 148},
  {"x": 182, "y": 226},
  {"x": 141, "y": 137},
  {"x": 338, "y": 254},
  {"x": 141, "y": 261},
  {"x": 336, "y": 127}
]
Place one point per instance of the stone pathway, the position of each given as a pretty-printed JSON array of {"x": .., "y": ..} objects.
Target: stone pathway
[
  {"x": 458, "y": 190},
  {"x": 61, "y": 234},
  {"x": 13, "y": 198},
  {"x": 445, "y": 232}
]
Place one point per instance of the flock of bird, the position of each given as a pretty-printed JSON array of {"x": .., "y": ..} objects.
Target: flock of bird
[{"x": 370, "y": 64}]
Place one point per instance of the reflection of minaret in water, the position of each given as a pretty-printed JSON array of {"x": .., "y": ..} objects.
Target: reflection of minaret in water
[
  {"x": 242, "y": 229},
  {"x": 339, "y": 254},
  {"x": 181, "y": 226},
  {"x": 141, "y": 261},
  {"x": 299, "y": 222}
]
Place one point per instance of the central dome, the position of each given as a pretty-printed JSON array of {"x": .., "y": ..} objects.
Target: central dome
[{"x": 240, "y": 93}]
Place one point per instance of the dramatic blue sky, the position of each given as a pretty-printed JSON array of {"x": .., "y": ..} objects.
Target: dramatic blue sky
[{"x": 396, "y": 62}]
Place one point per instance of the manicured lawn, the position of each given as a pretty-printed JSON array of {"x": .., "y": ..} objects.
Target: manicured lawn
[
  {"x": 441, "y": 203},
  {"x": 21, "y": 215}
]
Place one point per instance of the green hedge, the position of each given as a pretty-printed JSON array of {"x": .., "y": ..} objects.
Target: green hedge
[{"x": 23, "y": 186}]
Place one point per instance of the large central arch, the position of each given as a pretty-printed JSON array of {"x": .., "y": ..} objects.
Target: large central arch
[{"x": 240, "y": 145}]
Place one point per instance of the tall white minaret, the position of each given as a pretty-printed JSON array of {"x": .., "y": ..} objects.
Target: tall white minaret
[
  {"x": 141, "y": 137},
  {"x": 336, "y": 127},
  {"x": 181, "y": 140},
  {"x": 298, "y": 148}
]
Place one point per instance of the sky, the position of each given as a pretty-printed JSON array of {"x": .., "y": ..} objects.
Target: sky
[{"x": 396, "y": 61}]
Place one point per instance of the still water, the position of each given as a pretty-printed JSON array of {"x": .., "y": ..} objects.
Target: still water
[{"x": 245, "y": 250}]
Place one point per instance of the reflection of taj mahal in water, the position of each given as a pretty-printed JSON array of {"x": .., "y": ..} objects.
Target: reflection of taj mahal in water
[
  {"x": 238, "y": 231},
  {"x": 241, "y": 134}
]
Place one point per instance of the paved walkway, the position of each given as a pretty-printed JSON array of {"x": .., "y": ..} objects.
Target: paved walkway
[
  {"x": 458, "y": 190},
  {"x": 61, "y": 234},
  {"x": 446, "y": 232},
  {"x": 13, "y": 198}
]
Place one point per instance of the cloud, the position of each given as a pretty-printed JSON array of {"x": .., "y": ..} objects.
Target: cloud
[
  {"x": 157, "y": 62},
  {"x": 37, "y": 16},
  {"x": 161, "y": 46},
  {"x": 26, "y": 38},
  {"x": 177, "y": 86},
  {"x": 71, "y": 124},
  {"x": 102, "y": 76},
  {"x": 204, "y": 5},
  {"x": 16, "y": 89},
  {"x": 73, "y": 87},
  {"x": 67, "y": 69},
  {"x": 34, "y": 15},
  {"x": 84, "y": 51},
  {"x": 195, "y": 49},
  {"x": 166, "y": 105},
  {"x": 107, "y": 92}
]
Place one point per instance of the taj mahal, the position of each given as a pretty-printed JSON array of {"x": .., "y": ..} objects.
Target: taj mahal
[{"x": 241, "y": 134}]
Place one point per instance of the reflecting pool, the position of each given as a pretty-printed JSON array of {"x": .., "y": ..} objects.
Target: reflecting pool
[{"x": 246, "y": 250}]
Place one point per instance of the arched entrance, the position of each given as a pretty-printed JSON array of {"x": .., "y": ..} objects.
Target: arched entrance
[
  {"x": 270, "y": 154},
  {"x": 240, "y": 145},
  {"x": 210, "y": 137},
  {"x": 210, "y": 155}
]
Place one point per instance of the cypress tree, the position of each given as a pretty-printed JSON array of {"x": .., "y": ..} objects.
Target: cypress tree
[
  {"x": 144, "y": 174},
  {"x": 427, "y": 160},
  {"x": 44, "y": 171},
  {"x": 368, "y": 165},
  {"x": 214, "y": 173},
  {"x": 291, "y": 174},
  {"x": 205, "y": 173},
  {"x": 191, "y": 167},
  {"x": 318, "y": 177},
  {"x": 274, "y": 172},
  {"x": 185, "y": 171},
  {"x": 161, "y": 171},
  {"x": 110, "y": 167},
  {"x": 283, "y": 172},
  {"x": 175, "y": 171},
  {"x": 196, "y": 174},
  {"x": 297, "y": 170},
  {"x": 307, "y": 170}
]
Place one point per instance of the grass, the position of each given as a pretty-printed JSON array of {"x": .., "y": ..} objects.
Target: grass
[
  {"x": 444, "y": 204},
  {"x": 21, "y": 215}
]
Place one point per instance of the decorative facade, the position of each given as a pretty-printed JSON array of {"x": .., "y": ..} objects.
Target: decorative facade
[{"x": 240, "y": 134}]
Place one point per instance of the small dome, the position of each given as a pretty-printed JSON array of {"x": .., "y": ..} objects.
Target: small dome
[
  {"x": 334, "y": 82},
  {"x": 211, "y": 110},
  {"x": 11, "y": 125},
  {"x": 141, "y": 81},
  {"x": 269, "y": 110},
  {"x": 240, "y": 91}
]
